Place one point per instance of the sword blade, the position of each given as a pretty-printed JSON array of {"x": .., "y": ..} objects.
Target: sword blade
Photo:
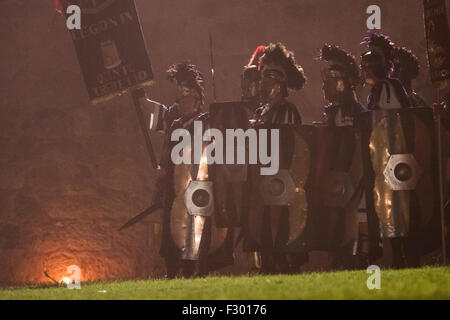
[{"x": 141, "y": 216}]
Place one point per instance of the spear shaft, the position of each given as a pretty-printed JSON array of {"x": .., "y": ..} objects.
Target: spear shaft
[{"x": 212, "y": 66}]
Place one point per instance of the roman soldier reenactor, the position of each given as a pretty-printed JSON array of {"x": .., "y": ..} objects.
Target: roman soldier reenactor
[
  {"x": 251, "y": 96},
  {"x": 279, "y": 72},
  {"x": 398, "y": 156},
  {"x": 277, "y": 207},
  {"x": 377, "y": 66},
  {"x": 338, "y": 171},
  {"x": 340, "y": 80},
  {"x": 406, "y": 69},
  {"x": 251, "y": 77},
  {"x": 189, "y": 233}
]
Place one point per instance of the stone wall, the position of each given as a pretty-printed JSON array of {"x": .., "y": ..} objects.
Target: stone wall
[{"x": 71, "y": 173}]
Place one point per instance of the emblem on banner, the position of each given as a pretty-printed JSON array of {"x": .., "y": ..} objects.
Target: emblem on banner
[{"x": 110, "y": 53}]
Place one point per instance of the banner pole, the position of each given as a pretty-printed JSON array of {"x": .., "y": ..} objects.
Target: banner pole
[
  {"x": 145, "y": 133},
  {"x": 441, "y": 193}
]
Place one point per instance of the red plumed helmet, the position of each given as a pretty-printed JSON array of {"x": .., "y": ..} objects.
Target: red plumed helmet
[
  {"x": 254, "y": 61},
  {"x": 58, "y": 5}
]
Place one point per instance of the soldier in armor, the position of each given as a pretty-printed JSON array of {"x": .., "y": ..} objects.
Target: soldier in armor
[
  {"x": 250, "y": 79},
  {"x": 279, "y": 72},
  {"x": 406, "y": 69},
  {"x": 340, "y": 80},
  {"x": 338, "y": 162},
  {"x": 188, "y": 231},
  {"x": 377, "y": 66},
  {"x": 272, "y": 224},
  {"x": 251, "y": 94},
  {"x": 391, "y": 196}
]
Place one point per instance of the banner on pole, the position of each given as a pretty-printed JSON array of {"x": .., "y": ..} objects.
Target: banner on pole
[
  {"x": 438, "y": 41},
  {"x": 110, "y": 48}
]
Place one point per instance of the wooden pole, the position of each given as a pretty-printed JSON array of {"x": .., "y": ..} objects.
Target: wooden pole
[
  {"x": 441, "y": 192},
  {"x": 141, "y": 120}
]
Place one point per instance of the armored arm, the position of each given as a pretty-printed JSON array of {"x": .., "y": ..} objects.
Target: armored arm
[
  {"x": 158, "y": 118},
  {"x": 158, "y": 115}
]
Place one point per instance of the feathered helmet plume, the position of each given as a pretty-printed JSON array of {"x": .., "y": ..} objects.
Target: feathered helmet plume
[
  {"x": 189, "y": 73},
  {"x": 251, "y": 70},
  {"x": 406, "y": 64},
  {"x": 277, "y": 54},
  {"x": 342, "y": 62},
  {"x": 254, "y": 60}
]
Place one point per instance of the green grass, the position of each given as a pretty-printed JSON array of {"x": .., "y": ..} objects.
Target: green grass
[{"x": 424, "y": 283}]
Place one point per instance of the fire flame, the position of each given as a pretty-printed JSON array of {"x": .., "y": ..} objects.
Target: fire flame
[{"x": 66, "y": 280}]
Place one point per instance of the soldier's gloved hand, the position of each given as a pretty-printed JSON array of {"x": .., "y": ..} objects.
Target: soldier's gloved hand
[
  {"x": 139, "y": 93},
  {"x": 323, "y": 122},
  {"x": 439, "y": 108}
]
